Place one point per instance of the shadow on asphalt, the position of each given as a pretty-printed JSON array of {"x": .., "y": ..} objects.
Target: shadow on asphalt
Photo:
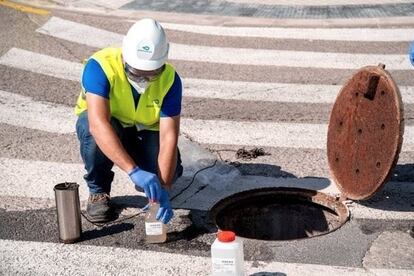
[
  {"x": 196, "y": 226},
  {"x": 189, "y": 233},
  {"x": 106, "y": 231},
  {"x": 395, "y": 196},
  {"x": 403, "y": 173},
  {"x": 261, "y": 169},
  {"x": 266, "y": 170},
  {"x": 123, "y": 202}
]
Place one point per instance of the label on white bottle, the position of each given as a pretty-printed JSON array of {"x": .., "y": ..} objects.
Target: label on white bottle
[
  {"x": 224, "y": 265},
  {"x": 153, "y": 228}
]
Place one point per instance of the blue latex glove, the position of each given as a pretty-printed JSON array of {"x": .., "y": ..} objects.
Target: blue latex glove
[
  {"x": 146, "y": 181},
  {"x": 411, "y": 53},
  {"x": 165, "y": 213}
]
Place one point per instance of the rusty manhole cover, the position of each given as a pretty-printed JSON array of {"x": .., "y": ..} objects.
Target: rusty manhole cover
[
  {"x": 365, "y": 132},
  {"x": 279, "y": 214}
]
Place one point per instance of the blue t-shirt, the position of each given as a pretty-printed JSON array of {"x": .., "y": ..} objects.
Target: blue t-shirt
[{"x": 95, "y": 81}]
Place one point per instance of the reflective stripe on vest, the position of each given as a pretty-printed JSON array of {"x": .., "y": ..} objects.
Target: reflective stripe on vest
[{"x": 121, "y": 100}]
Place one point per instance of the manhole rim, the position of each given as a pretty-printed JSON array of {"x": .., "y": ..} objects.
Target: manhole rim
[{"x": 317, "y": 197}]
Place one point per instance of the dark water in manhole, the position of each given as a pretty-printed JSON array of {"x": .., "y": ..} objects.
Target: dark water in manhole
[{"x": 277, "y": 218}]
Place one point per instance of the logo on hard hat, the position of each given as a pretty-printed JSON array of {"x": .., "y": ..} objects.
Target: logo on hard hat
[{"x": 145, "y": 49}]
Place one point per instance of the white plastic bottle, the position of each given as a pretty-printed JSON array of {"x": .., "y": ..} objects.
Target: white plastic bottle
[
  {"x": 155, "y": 230},
  {"x": 227, "y": 255}
]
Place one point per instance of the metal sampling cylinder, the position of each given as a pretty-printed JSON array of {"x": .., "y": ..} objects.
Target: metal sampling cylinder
[{"x": 68, "y": 212}]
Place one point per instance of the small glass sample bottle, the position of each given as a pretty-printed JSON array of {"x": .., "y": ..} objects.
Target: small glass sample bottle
[{"x": 155, "y": 230}]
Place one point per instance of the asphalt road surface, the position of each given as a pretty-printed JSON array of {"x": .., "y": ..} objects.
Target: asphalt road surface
[{"x": 248, "y": 83}]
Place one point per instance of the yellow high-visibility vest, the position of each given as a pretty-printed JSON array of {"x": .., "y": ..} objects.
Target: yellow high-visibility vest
[{"x": 121, "y": 100}]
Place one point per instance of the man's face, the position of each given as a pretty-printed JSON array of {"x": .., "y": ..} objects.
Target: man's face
[{"x": 137, "y": 75}]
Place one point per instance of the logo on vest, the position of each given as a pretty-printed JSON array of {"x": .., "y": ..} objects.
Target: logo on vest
[{"x": 155, "y": 102}]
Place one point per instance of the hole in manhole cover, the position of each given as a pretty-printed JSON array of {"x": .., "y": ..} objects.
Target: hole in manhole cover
[{"x": 279, "y": 214}]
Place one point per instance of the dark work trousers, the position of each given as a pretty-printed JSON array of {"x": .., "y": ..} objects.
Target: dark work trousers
[{"x": 143, "y": 147}]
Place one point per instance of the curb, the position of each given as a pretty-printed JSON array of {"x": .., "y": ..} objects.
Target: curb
[{"x": 219, "y": 20}]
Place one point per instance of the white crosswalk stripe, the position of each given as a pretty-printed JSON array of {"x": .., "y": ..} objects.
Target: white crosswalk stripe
[
  {"x": 272, "y": 92},
  {"x": 16, "y": 182},
  {"x": 266, "y": 134},
  {"x": 286, "y": 58},
  {"x": 236, "y": 90},
  {"x": 320, "y": 2},
  {"x": 87, "y": 260},
  {"x": 95, "y": 37},
  {"x": 331, "y": 34},
  {"x": 23, "y": 111},
  {"x": 43, "y": 64},
  {"x": 20, "y": 178}
]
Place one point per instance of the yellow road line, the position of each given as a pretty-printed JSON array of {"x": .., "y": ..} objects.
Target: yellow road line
[{"x": 23, "y": 8}]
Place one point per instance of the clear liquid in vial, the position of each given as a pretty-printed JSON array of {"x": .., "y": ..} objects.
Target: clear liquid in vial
[{"x": 155, "y": 230}]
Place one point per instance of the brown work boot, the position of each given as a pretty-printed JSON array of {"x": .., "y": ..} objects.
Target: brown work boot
[{"x": 99, "y": 208}]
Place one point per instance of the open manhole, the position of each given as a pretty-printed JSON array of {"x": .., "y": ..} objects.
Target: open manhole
[
  {"x": 279, "y": 214},
  {"x": 364, "y": 140}
]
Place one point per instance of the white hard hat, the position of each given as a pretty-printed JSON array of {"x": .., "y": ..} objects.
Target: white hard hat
[{"x": 145, "y": 46}]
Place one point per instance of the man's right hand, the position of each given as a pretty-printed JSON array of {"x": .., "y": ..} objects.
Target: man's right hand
[
  {"x": 411, "y": 53},
  {"x": 165, "y": 213},
  {"x": 146, "y": 181}
]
